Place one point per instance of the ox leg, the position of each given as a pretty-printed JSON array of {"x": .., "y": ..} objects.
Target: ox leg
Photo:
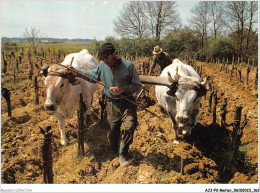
[
  {"x": 175, "y": 136},
  {"x": 88, "y": 113},
  {"x": 61, "y": 121}
]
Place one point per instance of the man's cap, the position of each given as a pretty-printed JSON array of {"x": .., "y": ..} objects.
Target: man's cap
[
  {"x": 157, "y": 50},
  {"x": 105, "y": 50}
]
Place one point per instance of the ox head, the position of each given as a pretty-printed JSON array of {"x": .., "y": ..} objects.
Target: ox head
[
  {"x": 56, "y": 81},
  {"x": 187, "y": 92}
]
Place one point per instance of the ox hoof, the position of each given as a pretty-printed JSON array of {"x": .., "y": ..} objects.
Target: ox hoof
[
  {"x": 175, "y": 142},
  {"x": 123, "y": 162},
  {"x": 64, "y": 143}
]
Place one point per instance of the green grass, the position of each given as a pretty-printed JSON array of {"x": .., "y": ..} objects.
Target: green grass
[
  {"x": 244, "y": 148},
  {"x": 65, "y": 46},
  {"x": 11, "y": 85},
  {"x": 69, "y": 47}
]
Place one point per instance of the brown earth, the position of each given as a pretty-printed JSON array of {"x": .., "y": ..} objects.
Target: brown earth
[{"x": 202, "y": 158}]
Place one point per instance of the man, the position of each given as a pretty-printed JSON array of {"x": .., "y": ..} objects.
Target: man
[
  {"x": 161, "y": 58},
  {"x": 121, "y": 77}
]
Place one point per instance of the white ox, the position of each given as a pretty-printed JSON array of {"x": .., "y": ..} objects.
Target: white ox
[
  {"x": 63, "y": 94},
  {"x": 182, "y": 99}
]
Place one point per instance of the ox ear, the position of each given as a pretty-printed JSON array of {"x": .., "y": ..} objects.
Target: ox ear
[
  {"x": 183, "y": 70},
  {"x": 205, "y": 83},
  {"x": 41, "y": 130},
  {"x": 45, "y": 70},
  {"x": 204, "y": 87},
  {"x": 74, "y": 82}
]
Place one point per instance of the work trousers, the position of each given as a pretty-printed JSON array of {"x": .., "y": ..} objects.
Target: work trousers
[{"x": 122, "y": 118}]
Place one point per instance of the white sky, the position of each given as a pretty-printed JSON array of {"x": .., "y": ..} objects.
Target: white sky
[{"x": 67, "y": 19}]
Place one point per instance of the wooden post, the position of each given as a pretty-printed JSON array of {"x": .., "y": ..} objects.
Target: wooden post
[
  {"x": 14, "y": 75},
  {"x": 31, "y": 70},
  {"x": 210, "y": 99},
  {"x": 30, "y": 74},
  {"x": 140, "y": 69},
  {"x": 80, "y": 114},
  {"x": 6, "y": 95},
  {"x": 215, "y": 106},
  {"x": 20, "y": 58},
  {"x": 47, "y": 155},
  {"x": 241, "y": 63},
  {"x": 227, "y": 66},
  {"x": 10, "y": 58},
  {"x": 5, "y": 66},
  {"x": 247, "y": 74},
  {"x": 17, "y": 63},
  {"x": 36, "y": 91},
  {"x": 239, "y": 72},
  {"x": 148, "y": 66},
  {"x": 231, "y": 72},
  {"x": 143, "y": 68},
  {"x": 256, "y": 78},
  {"x": 223, "y": 112},
  {"x": 237, "y": 132}
]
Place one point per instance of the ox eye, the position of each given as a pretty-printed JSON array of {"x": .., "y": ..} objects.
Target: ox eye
[{"x": 61, "y": 85}]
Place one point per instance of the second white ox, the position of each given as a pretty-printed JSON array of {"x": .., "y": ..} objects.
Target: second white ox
[
  {"x": 182, "y": 99},
  {"x": 63, "y": 93}
]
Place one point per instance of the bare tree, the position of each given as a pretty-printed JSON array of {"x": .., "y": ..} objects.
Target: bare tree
[
  {"x": 252, "y": 13},
  {"x": 216, "y": 12},
  {"x": 162, "y": 17},
  {"x": 237, "y": 14},
  {"x": 33, "y": 37},
  {"x": 132, "y": 22},
  {"x": 200, "y": 20}
]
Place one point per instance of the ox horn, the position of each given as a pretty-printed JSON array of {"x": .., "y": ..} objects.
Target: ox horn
[
  {"x": 205, "y": 83},
  {"x": 174, "y": 83},
  {"x": 170, "y": 77},
  {"x": 176, "y": 77},
  {"x": 45, "y": 70}
]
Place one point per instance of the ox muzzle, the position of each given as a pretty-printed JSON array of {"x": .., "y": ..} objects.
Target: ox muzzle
[
  {"x": 50, "y": 107},
  {"x": 185, "y": 125}
]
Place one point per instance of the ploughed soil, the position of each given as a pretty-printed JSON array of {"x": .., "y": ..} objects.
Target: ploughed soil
[{"x": 204, "y": 157}]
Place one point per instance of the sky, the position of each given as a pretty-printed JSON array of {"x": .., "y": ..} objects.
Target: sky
[{"x": 86, "y": 19}]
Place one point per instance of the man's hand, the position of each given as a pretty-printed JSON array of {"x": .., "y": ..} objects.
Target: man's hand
[{"x": 117, "y": 90}]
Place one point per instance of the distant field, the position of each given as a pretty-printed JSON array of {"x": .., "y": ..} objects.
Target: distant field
[{"x": 65, "y": 46}]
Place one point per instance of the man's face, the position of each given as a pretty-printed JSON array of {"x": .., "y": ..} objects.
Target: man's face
[
  {"x": 110, "y": 60},
  {"x": 158, "y": 55}
]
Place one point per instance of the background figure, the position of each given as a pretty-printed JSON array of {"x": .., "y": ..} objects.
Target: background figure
[{"x": 161, "y": 58}]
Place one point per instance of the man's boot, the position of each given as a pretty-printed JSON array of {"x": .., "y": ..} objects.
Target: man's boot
[
  {"x": 113, "y": 141},
  {"x": 123, "y": 151}
]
